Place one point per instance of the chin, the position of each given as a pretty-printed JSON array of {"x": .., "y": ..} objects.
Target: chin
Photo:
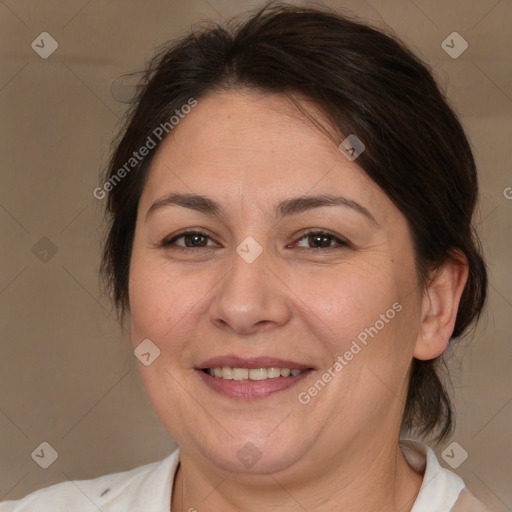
[
  {"x": 252, "y": 453},
  {"x": 245, "y": 456}
]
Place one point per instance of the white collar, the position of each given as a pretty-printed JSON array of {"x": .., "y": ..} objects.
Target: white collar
[{"x": 439, "y": 490}]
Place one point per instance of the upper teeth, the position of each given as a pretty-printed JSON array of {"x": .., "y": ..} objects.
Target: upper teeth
[{"x": 252, "y": 373}]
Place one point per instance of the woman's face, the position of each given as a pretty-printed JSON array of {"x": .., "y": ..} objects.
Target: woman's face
[{"x": 295, "y": 260}]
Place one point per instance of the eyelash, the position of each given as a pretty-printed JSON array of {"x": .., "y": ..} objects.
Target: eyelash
[{"x": 168, "y": 243}]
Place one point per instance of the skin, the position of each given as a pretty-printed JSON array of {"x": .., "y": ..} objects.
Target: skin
[{"x": 250, "y": 151}]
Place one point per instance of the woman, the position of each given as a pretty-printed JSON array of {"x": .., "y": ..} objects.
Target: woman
[{"x": 291, "y": 239}]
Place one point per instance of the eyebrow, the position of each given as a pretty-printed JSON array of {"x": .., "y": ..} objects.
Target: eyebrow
[{"x": 286, "y": 208}]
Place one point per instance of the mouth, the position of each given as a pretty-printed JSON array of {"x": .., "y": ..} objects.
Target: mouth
[
  {"x": 251, "y": 378},
  {"x": 258, "y": 374}
]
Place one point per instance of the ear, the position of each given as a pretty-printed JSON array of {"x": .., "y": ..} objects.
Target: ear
[{"x": 440, "y": 304}]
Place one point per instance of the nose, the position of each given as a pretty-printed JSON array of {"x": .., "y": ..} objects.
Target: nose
[{"x": 250, "y": 298}]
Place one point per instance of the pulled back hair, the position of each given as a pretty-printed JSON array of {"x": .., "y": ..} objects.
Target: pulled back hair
[{"x": 365, "y": 83}]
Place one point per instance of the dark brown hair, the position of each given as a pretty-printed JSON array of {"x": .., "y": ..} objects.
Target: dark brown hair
[{"x": 366, "y": 83}]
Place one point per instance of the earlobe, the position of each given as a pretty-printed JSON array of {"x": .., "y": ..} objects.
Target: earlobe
[{"x": 440, "y": 304}]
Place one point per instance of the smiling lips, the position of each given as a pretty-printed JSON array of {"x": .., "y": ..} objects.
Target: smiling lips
[
  {"x": 252, "y": 373},
  {"x": 250, "y": 378}
]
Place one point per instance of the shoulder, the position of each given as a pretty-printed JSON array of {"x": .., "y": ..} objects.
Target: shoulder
[{"x": 133, "y": 490}]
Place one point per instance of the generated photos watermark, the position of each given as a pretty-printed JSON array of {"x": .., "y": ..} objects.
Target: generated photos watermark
[
  {"x": 361, "y": 341},
  {"x": 158, "y": 133}
]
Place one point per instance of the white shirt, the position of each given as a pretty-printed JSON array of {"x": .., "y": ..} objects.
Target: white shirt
[{"x": 149, "y": 488}]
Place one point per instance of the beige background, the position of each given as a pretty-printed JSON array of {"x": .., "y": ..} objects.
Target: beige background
[{"x": 67, "y": 374}]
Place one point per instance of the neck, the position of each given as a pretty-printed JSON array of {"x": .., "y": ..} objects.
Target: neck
[{"x": 375, "y": 479}]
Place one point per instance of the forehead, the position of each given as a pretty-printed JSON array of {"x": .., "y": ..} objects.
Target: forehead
[
  {"x": 255, "y": 127},
  {"x": 255, "y": 146}
]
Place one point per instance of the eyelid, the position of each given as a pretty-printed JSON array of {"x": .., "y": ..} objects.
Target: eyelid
[
  {"x": 169, "y": 240},
  {"x": 342, "y": 242}
]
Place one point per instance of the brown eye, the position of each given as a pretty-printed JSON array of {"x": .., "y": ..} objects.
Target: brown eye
[
  {"x": 192, "y": 240},
  {"x": 195, "y": 240},
  {"x": 320, "y": 240}
]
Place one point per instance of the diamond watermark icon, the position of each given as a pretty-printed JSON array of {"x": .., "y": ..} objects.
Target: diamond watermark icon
[
  {"x": 454, "y": 455},
  {"x": 249, "y": 455},
  {"x": 351, "y": 147},
  {"x": 454, "y": 45},
  {"x": 44, "y": 45},
  {"x": 146, "y": 352},
  {"x": 249, "y": 249},
  {"x": 45, "y": 455},
  {"x": 44, "y": 250}
]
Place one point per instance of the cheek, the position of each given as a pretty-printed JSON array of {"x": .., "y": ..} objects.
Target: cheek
[
  {"x": 345, "y": 301},
  {"x": 159, "y": 299},
  {"x": 168, "y": 301},
  {"x": 367, "y": 313}
]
